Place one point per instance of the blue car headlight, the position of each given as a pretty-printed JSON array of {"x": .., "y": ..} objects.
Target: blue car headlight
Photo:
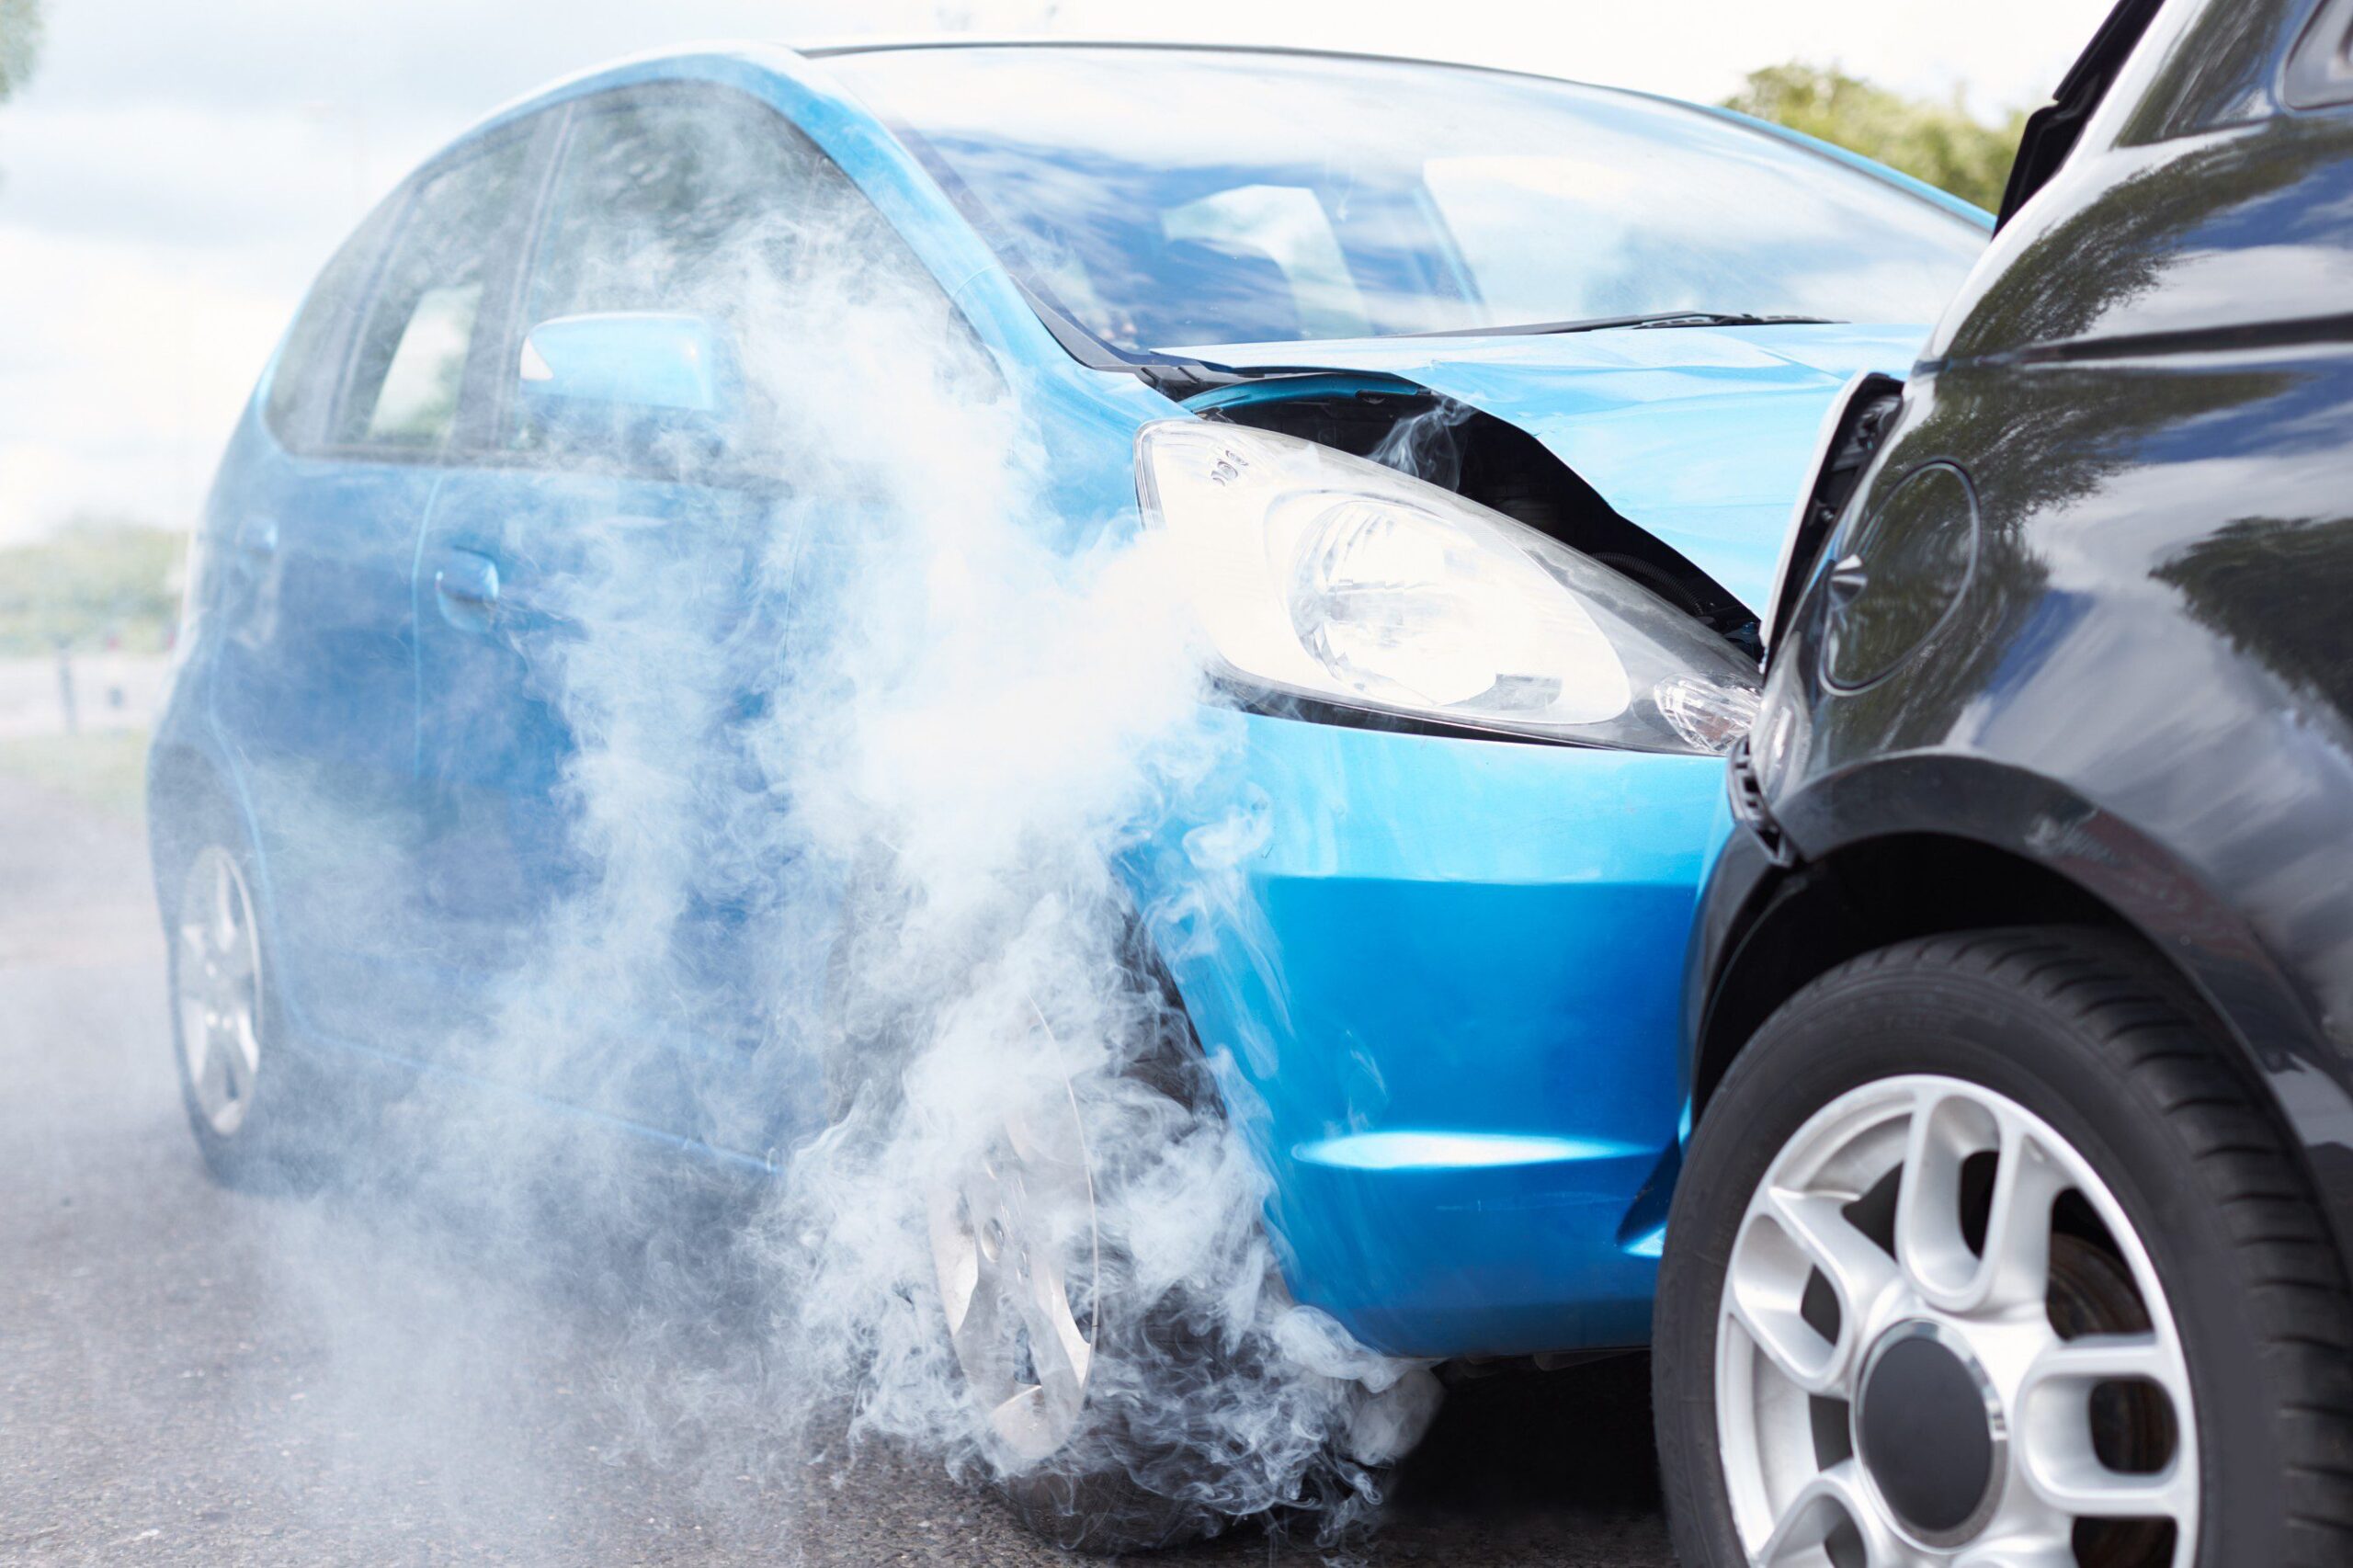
[{"x": 1330, "y": 578}]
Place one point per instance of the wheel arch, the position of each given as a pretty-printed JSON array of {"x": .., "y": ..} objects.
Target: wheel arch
[
  {"x": 1864, "y": 895},
  {"x": 184, "y": 786},
  {"x": 1917, "y": 846}
]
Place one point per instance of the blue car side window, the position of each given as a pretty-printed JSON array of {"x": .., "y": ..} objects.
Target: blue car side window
[
  {"x": 651, "y": 195},
  {"x": 702, "y": 202},
  {"x": 302, "y": 384},
  {"x": 421, "y": 331},
  {"x": 707, "y": 203}
]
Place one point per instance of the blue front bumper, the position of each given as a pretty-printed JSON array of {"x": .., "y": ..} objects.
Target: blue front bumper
[{"x": 1446, "y": 976}]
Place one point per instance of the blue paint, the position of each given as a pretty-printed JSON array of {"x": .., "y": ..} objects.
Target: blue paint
[
  {"x": 1650, "y": 1244},
  {"x": 1439, "y": 986},
  {"x": 633, "y": 359},
  {"x": 1475, "y": 945},
  {"x": 1461, "y": 1151}
]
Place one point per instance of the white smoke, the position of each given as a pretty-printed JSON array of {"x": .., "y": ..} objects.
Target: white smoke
[{"x": 858, "y": 758}]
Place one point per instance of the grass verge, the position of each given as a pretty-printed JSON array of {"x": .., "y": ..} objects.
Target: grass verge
[{"x": 105, "y": 768}]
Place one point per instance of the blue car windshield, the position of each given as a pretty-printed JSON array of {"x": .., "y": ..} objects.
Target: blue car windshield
[{"x": 1183, "y": 198}]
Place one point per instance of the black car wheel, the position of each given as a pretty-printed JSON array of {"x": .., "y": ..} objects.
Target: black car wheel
[
  {"x": 262, "y": 1112},
  {"x": 1034, "y": 1301},
  {"x": 1034, "y": 1297},
  {"x": 1983, "y": 1254}
]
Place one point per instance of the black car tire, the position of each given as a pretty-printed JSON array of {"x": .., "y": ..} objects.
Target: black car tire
[
  {"x": 1087, "y": 1497},
  {"x": 2089, "y": 1034},
  {"x": 293, "y": 1134}
]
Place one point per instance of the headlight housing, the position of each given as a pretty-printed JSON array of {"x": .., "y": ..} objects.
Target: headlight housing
[{"x": 1331, "y": 579}]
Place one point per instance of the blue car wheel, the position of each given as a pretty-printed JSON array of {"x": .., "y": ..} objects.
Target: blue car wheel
[
  {"x": 1026, "y": 1313},
  {"x": 263, "y": 1114}
]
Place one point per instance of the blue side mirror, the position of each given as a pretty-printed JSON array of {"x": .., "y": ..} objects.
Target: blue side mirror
[{"x": 625, "y": 381}]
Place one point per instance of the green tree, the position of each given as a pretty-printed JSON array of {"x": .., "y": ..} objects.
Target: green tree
[
  {"x": 20, "y": 36},
  {"x": 1942, "y": 144},
  {"x": 94, "y": 580}
]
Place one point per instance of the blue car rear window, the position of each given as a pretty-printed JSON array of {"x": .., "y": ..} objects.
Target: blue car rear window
[{"x": 1166, "y": 198}]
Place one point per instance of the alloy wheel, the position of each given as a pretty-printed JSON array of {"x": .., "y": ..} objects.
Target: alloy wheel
[
  {"x": 217, "y": 983},
  {"x": 1941, "y": 1342},
  {"x": 1015, "y": 1249}
]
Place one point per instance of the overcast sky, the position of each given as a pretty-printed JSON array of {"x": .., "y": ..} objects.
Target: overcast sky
[{"x": 179, "y": 170}]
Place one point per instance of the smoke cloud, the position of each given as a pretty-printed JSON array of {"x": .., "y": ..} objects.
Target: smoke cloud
[{"x": 863, "y": 727}]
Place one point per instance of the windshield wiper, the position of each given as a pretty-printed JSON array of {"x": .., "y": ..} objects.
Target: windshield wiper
[
  {"x": 1603, "y": 324},
  {"x": 1174, "y": 376}
]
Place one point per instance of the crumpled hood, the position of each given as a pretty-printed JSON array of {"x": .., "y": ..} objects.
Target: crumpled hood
[{"x": 1701, "y": 435}]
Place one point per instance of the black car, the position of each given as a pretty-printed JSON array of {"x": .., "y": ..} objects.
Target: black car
[{"x": 2014, "y": 1223}]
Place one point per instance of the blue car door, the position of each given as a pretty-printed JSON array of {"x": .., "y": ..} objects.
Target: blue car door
[
  {"x": 592, "y": 648},
  {"x": 315, "y": 693}
]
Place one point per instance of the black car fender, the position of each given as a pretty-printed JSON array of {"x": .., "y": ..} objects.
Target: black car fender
[{"x": 1925, "y": 842}]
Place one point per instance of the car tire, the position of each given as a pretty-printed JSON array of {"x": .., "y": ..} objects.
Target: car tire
[
  {"x": 265, "y": 1114},
  {"x": 2181, "y": 1232},
  {"x": 1087, "y": 1495}
]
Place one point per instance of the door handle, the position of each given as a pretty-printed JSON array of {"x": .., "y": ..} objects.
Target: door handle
[{"x": 466, "y": 587}]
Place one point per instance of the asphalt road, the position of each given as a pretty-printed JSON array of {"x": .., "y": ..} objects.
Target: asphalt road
[
  {"x": 189, "y": 1375},
  {"x": 110, "y": 691}
]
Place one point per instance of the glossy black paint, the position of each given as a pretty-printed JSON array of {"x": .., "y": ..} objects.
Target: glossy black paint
[{"x": 2136, "y": 706}]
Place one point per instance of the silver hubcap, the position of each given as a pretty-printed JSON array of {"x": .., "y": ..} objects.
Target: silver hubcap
[
  {"x": 1962, "y": 1381},
  {"x": 219, "y": 990},
  {"x": 1014, "y": 1244}
]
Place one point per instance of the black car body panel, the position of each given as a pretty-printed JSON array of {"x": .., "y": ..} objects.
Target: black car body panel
[{"x": 2104, "y": 673}]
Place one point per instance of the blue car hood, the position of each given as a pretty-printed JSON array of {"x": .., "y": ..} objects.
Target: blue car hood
[{"x": 1701, "y": 435}]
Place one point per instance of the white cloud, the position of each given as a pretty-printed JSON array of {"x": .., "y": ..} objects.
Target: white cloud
[
  {"x": 177, "y": 172},
  {"x": 121, "y": 381}
]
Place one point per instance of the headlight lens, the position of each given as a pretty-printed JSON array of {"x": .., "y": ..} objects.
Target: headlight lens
[{"x": 1321, "y": 575}]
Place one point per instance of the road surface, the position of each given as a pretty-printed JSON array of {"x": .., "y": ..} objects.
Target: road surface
[
  {"x": 108, "y": 691},
  {"x": 194, "y": 1376}
]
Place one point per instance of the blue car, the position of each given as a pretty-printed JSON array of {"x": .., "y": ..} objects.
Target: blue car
[{"x": 1466, "y": 411}]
